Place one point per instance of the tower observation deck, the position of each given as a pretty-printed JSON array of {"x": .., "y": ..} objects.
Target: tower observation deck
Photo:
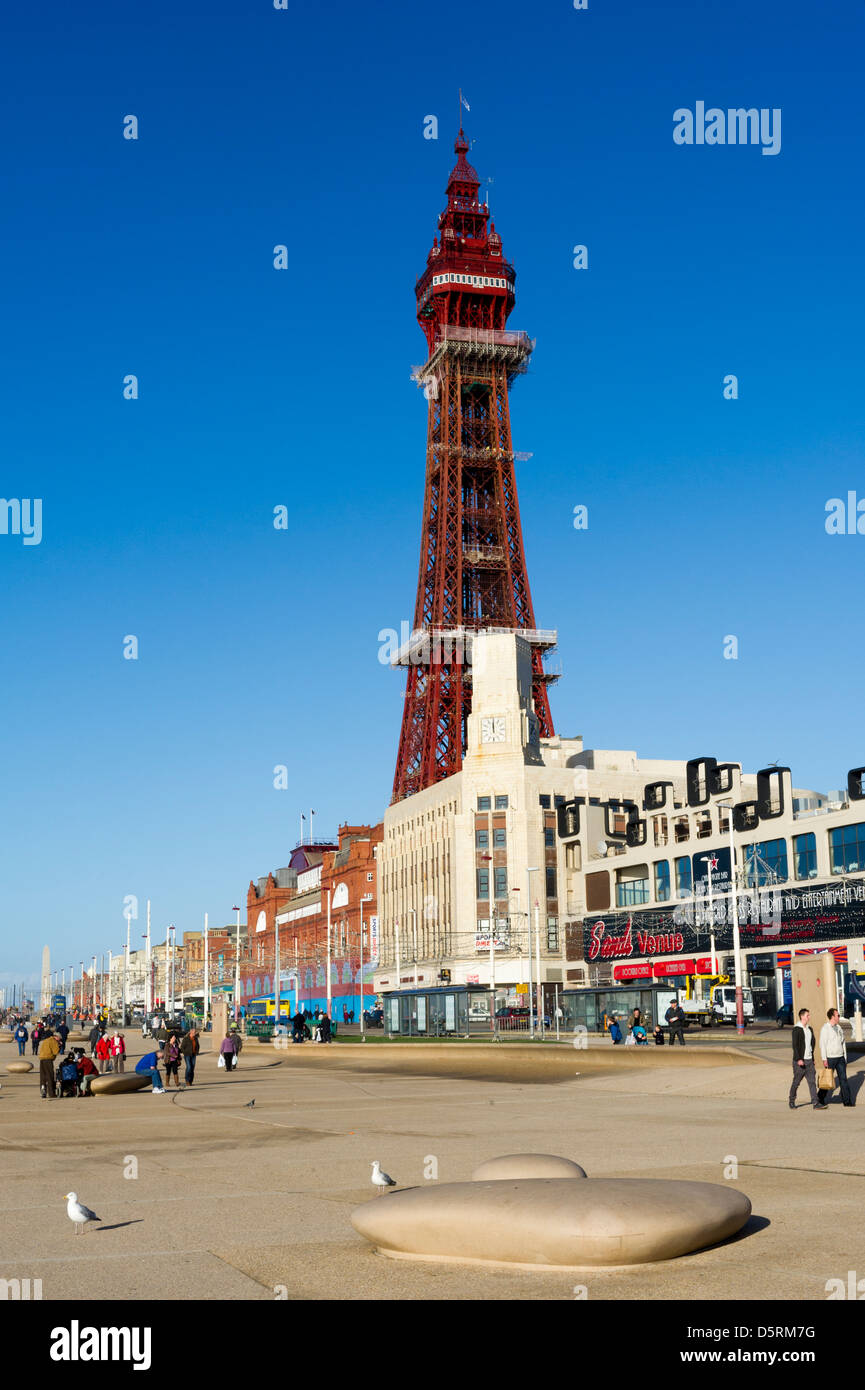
[{"x": 472, "y": 563}]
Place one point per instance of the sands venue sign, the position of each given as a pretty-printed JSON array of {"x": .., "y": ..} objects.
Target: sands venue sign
[{"x": 604, "y": 945}]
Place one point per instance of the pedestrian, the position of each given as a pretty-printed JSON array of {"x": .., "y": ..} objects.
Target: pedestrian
[
  {"x": 49, "y": 1048},
  {"x": 228, "y": 1050},
  {"x": 21, "y": 1035},
  {"x": 344, "y": 1014},
  {"x": 171, "y": 1052},
  {"x": 149, "y": 1065},
  {"x": 63, "y": 1034},
  {"x": 833, "y": 1050},
  {"x": 118, "y": 1051},
  {"x": 675, "y": 1017},
  {"x": 636, "y": 1019},
  {"x": 94, "y": 1035},
  {"x": 86, "y": 1073},
  {"x": 190, "y": 1047},
  {"x": 35, "y": 1037},
  {"x": 103, "y": 1053},
  {"x": 658, "y": 1035},
  {"x": 324, "y": 1028},
  {"x": 803, "y": 1060},
  {"x": 615, "y": 1031},
  {"x": 297, "y": 1027}
]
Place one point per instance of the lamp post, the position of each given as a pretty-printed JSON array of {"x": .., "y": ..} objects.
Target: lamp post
[
  {"x": 236, "y": 909},
  {"x": 734, "y": 901},
  {"x": 329, "y": 985},
  {"x": 529, "y": 873},
  {"x": 710, "y": 864},
  {"x": 148, "y": 993}
]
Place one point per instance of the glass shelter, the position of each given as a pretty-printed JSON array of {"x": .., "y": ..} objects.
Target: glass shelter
[{"x": 452, "y": 1011}]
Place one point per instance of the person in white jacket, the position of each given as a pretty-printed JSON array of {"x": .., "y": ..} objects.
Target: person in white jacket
[{"x": 833, "y": 1050}]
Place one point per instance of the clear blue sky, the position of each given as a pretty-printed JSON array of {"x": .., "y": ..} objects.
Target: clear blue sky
[{"x": 258, "y": 388}]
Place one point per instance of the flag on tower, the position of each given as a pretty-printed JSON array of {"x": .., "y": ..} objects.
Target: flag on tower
[{"x": 464, "y": 102}]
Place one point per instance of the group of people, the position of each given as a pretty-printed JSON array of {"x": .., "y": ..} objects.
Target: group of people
[
  {"x": 175, "y": 1047},
  {"x": 315, "y": 1026},
  {"x": 832, "y": 1048},
  {"x": 638, "y": 1027}
]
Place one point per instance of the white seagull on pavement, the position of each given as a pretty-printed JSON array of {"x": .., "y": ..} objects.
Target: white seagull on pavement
[
  {"x": 381, "y": 1180},
  {"x": 77, "y": 1212}
]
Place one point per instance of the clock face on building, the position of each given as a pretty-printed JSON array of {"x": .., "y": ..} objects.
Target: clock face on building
[{"x": 493, "y": 729}]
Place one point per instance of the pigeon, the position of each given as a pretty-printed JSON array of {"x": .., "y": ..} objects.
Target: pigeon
[
  {"x": 249, "y": 1104},
  {"x": 381, "y": 1180},
  {"x": 77, "y": 1212}
]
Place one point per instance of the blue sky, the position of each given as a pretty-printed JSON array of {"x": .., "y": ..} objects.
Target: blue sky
[{"x": 258, "y": 388}]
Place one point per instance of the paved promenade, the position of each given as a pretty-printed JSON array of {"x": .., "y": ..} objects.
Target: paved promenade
[{"x": 254, "y": 1203}]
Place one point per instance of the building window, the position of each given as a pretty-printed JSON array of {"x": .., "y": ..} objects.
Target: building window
[
  {"x": 545, "y": 802},
  {"x": 683, "y": 877},
  {"x": 552, "y": 891},
  {"x": 558, "y": 801},
  {"x": 483, "y": 803},
  {"x": 573, "y": 856},
  {"x": 704, "y": 825},
  {"x": 662, "y": 881},
  {"x": 681, "y": 829},
  {"x": 632, "y": 893},
  {"x": 501, "y": 881},
  {"x": 549, "y": 838},
  {"x": 552, "y": 933},
  {"x": 805, "y": 856},
  {"x": 847, "y": 849},
  {"x": 482, "y": 839},
  {"x": 659, "y": 826},
  {"x": 765, "y": 862},
  {"x": 483, "y": 883},
  {"x": 501, "y": 803},
  {"x": 499, "y": 839}
]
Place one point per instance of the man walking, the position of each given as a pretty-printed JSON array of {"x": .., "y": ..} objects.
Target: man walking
[
  {"x": 21, "y": 1035},
  {"x": 49, "y": 1048},
  {"x": 803, "y": 1060},
  {"x": 189, "y": 1050},
  {"x": 833, "y": 1050},
  {"x": 675, "y": 1017}
]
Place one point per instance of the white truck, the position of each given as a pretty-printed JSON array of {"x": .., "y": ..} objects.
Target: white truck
[{"x": 715, "y": 1003}]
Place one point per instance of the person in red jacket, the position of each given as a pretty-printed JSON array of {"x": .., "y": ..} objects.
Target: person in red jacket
[
  {"x": 86, "y": 1073},
  {"x": 103, "y": 1053}
]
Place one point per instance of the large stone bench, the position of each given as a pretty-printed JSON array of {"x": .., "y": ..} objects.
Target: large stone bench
[
  {"x": 551, "y": 1222},
  {"x": 19, "y": 1066},
  {"x": 118, "y": 1083}
]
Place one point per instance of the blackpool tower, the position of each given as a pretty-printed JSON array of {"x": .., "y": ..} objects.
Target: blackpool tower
[{"x": 472, "y": 564}]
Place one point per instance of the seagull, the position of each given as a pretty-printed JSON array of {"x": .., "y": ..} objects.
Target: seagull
[
  {"x": 77, "y": 1212},
  {"x": 381, "y": 1180},
  {"x": 249, "y": 1104}
]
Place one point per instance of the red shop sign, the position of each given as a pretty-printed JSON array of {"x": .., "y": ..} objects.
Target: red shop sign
[
  {"x": 704, "y": 965},
  {"x": 632, "y": 972},
  {"x": 674, "y": 967}
]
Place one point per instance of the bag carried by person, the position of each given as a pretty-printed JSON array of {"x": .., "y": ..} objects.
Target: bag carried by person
[
  {"x": 220, "y": 1062},
  {"x": 826, "y": 1079}
]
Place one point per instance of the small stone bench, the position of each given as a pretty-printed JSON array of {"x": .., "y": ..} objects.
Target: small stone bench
[{"x": 19, "y": 1066}]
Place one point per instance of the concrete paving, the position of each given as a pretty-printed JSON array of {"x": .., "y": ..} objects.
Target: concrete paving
[{"x": 254, "y": 1203}]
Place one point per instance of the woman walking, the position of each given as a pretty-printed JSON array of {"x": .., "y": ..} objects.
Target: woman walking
[
  {"x": 189, "y": 1050},
  {"x": 228, "y": 1050},
  {"x": 118, "y": 1052},
  {"x": 172, "y": 1060}
]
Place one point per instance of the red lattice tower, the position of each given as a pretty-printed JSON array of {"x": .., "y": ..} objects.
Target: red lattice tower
[{"x": 472, "y": 564}]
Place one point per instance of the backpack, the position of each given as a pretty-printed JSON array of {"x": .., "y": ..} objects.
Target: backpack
[{"x": 69, "y": 1072}]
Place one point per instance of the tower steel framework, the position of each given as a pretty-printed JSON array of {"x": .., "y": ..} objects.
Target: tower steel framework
[{"x": 472, "y": 563}]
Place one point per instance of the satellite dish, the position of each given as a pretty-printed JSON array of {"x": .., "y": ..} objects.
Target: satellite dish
[{"x": 601, "y": 849}]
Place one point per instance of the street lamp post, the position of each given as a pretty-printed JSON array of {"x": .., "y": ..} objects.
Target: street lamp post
[
  {"x": 529, "y": 873},
  {"x": 710, "y": 862},
  {"x": 237, "y": 967},
  {"x": 734, "y": 901},
  {"x": 206, "y": 999}
]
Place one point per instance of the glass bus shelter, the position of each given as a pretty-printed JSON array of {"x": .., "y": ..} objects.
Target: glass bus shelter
[{"x": 458, "y": 1011}]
